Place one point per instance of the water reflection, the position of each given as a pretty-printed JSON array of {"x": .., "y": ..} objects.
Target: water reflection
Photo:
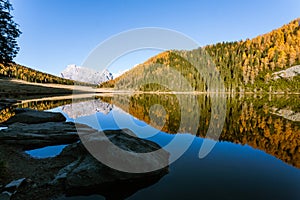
[
  {"x": 86, "y": 108},
  {"x": 6, "y": 113},
  {"x": 249, "y": 120},
  {"x": 46, "y": 152},
  {"x": 268, "y": 123}
]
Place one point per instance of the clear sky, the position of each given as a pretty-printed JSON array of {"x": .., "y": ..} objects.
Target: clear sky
[{"x": 61, "y": 32}]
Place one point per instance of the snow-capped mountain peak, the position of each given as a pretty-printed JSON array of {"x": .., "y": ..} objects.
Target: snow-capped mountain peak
[{"x": 86, "y": 75}]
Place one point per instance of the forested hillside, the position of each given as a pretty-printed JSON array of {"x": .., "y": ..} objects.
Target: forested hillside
[
  {"x": 252, "y": 62},
  {"x": 13, "y": 70},
  {"x": 243, "y": 66}
]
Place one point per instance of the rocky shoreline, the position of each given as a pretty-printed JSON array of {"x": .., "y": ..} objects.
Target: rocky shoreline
[{"x": 74, "y": 171}]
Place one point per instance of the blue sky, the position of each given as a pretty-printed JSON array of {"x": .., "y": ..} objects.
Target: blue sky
[{"x": 61, "y": 32}]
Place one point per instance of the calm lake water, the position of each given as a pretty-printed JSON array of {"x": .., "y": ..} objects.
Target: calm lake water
[{"x": 257, "y": 154}]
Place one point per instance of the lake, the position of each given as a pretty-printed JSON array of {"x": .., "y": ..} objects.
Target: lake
[{"x": 254, "y": 140}]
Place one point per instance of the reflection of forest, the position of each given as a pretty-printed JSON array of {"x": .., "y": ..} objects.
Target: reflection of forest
[
  {"x": 248, "y": 120},
  {"x": 8, "y": 112},
  {"x": 88, "y": 103}
]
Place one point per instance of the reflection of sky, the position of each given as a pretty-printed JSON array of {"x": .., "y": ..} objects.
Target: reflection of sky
[{"x": 46, "y": 152}]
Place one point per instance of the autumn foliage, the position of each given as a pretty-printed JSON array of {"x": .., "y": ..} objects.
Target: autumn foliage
[{"x": 243, "y": 66}]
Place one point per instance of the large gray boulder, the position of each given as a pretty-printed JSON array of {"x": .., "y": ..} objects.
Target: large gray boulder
[{"x": 87, "y": 175}]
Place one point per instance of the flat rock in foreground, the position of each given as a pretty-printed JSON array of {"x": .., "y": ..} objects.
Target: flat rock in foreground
[
  {"x": 28, "y": 116},
  {"x": 32, "y": 136}
]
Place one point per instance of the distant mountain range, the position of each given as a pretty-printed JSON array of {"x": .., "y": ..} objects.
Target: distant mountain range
[
  {"x": 244, "y": 66},
  {"x": 86, "y": 75}
]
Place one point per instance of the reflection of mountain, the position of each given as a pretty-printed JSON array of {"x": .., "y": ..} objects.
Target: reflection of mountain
[
  {"x": 86, "y": 108},
  {"x": 248, "y": 121},
  {"x": 82, "y": 107}
]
